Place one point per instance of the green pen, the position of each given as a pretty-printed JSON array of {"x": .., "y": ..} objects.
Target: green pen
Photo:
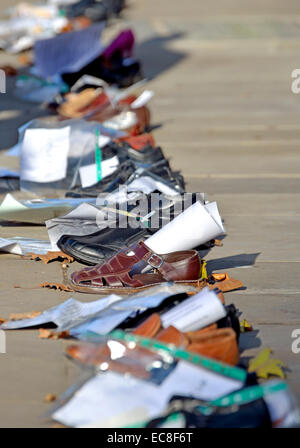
[{"x": 98, "y": 156}]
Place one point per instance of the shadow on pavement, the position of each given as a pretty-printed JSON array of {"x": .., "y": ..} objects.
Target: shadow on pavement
[
  {"x": 249, "y": 340},
  {"x": 234, "y": 261},
  {"x": 155, "y": 55},
  {"x": 14, "y": 112}
]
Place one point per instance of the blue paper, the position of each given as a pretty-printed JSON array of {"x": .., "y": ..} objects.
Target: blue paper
[{"x": 68, "y": 52}]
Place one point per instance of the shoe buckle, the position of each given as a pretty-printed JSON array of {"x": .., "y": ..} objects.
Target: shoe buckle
[{"x": 151, "y": 261}]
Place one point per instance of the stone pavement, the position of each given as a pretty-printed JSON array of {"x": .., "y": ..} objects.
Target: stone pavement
[{"x": 226, "y": 117}]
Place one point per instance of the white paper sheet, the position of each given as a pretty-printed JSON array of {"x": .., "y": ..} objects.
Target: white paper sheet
[
  {"x": 103, "y": 140},
  {"x": 21, "y": 246},
  {"x": 37, "y": 211},
  {"x": 147, "y": 184},
  {"x": 196, "y": 312},
  {"x": 129, "y": 400},
  {"x": 44, "y": 154},
  {"x": 14, "y": 151},
  {"x": 82, "y": 211},
  {"x": 83, "y": 220},
  {"x": 109, "y": 319},
  {"x": 68, "y": 312},
  {"x": 88, "y": 173},
  {"x": 10, "y": 203},
  {"x": 193, "y": 227}
]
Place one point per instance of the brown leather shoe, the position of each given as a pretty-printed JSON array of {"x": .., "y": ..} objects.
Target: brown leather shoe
[
  {"x": 122, "y": 273},
  {"x": 76, "y": 103},
  {"x": 213, "y": 342},
  {"x": 171, "y": 335},
  {"x": 138, "y": 142},
  {"x": 194, "y": 334},
  {"x": 219, "y": 344},
  {"x": 150, "y": 327}
]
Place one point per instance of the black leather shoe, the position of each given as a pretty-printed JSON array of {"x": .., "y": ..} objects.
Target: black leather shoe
[
  {"x": 254, "y": 414},
  {"x": 93, "y": 249},
  {"x": 108, "y": 184},
  {"x": 144, "y": 157},
  {"x": 126, "y": 173},
  {"x": 231, "y": 320},
  {"x": 123, "y": 74}
]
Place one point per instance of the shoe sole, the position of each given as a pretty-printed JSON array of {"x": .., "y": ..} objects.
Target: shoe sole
[{"x": 125, "y": 289}]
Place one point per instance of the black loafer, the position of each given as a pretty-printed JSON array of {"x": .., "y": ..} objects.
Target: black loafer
[
  {"x": 121, "y": 74},
  {"x": 108, "y": 184},
  {"x": 254, "y": 414},
  {"x": 144, "y": 157},
  {"x": 126, "y": 173},
  {"x": 93, "y": 249}
]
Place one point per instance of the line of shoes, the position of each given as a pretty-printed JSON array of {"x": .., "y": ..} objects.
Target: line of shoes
[
  {"x": 28, "y": 23},
  {"x": 134, "y": 260},
  {"x": 160, "y": 345}
]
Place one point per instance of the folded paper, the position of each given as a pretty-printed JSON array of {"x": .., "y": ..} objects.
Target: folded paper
[
  {"x": 196, "y": 312},
  {"x": 197, "y": 225}
]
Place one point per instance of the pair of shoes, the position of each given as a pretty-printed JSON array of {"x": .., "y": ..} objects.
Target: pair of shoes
[
  {"x": 127, "y": 173},
  {"x": 95, "y": 248},
  {"x": 213, "y": 342},
  {"x": 94, "y": 106}
]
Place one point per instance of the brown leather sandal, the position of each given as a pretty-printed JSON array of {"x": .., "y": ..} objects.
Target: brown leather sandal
[{"x": 138, "y": 268}]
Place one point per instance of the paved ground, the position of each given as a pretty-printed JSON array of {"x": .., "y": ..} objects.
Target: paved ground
[{"x": 222, "y": 77}]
